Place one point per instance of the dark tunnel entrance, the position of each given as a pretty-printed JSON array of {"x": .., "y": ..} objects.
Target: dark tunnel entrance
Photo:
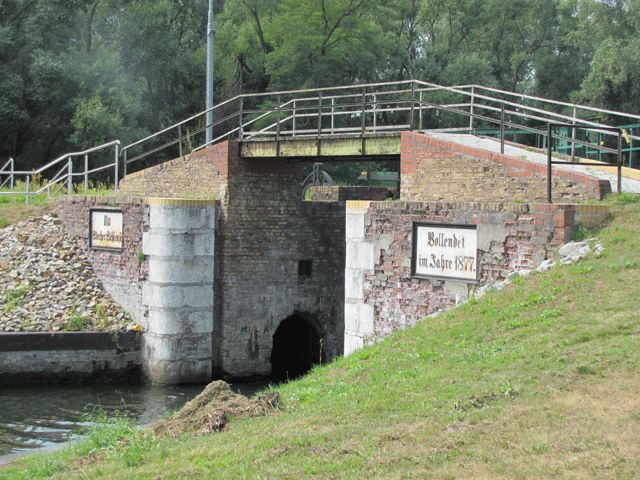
[{"x": 296, "y": 348}]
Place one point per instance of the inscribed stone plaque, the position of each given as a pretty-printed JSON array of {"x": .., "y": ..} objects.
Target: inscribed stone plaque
[
  {"x": 445, "y": 251},
  {"x": 106, "y": 229}
]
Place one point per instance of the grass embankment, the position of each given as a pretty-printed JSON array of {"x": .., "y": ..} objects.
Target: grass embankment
[
  {"x": 539, "y": 380},
  {"x": 14, "y": 208}
]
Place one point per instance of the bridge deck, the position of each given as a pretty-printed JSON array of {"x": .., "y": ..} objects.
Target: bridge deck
[{"x": 370, "y": 145}]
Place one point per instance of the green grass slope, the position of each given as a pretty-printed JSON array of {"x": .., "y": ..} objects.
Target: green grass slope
[{"x": 540, "y": 380}]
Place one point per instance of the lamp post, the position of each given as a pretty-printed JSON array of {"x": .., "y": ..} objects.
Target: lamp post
[{"x": 211, "y": 30}]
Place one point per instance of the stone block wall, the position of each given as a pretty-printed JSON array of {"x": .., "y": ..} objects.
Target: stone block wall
[
  {"x": 434, "y": 169},
  {"x": 122, "y": 273},
  {"x": 380, "y": 293}
]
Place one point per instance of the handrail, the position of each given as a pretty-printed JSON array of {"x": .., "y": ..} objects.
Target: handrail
[
  {"x": 558, "y": 102},
  {"x": 358, "y": 108},
  {"x": 75, "y": 154}
]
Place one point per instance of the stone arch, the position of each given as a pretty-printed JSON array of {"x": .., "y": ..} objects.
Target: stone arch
[{"x": 297, "y": 346}]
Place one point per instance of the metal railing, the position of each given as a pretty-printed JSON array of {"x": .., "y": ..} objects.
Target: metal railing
[
  {"x": 353, "y": 110},
  {"x": 551, "y": 161},
  {"x": 62, "y": 177}
]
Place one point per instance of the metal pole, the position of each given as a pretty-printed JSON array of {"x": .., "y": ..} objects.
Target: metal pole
[
  {"x": 26, "y": 197},
  {"x": 124, "y": 163},
  {"x": 502, "y": 127},
  {"x": 86, "y": 173},
  {"x": 549, "y": 160},
  {"x": 180, "y": 140},
  {"x": 211, "y": 30},
  {"x": 69, "y": 175},
  {"x": 471, "y": 109},
  {"x": 619, "y": 161},
  {"x": 12, "y": 176},
  {"x": 115, "y": 169},
  {"x": 573, "y": 137}
]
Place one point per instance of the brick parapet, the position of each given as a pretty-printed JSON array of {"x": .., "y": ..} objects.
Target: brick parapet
[{"x": 437, "y": 169}]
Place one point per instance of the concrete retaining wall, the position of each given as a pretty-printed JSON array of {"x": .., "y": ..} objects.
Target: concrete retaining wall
[{"x": 70, "y": 357}]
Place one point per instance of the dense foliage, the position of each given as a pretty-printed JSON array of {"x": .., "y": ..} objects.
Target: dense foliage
[{"x": 77, "y": 72}]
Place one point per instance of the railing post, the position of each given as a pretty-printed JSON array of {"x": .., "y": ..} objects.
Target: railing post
[
  {"x": 549, "y": 160},
  {"x": 241, "y": 119},
  {"x": 115, "y": 166},
  {"x": 318, "y": 145},
  {"x": 413, "y": 104},
  {"x": 362, "y": 113},
  {"x": 573, "y": 137},
  {"x": 12, "y": 176},
  {"x": 333, "y": 104},
  {"x": 124, "y": 163},
  {"x": 501, "y": 127},
  {"x": 26, "y": 196},
  {"x": 619, "y": 161},
  {"x": 471, "y": 109},
  {"x": 375, "y": 115},
  {"x": 278, "y": 101},
  {"x": 362, "y": 120},
  {"x": 86, "y": 172},
  {"x": 294, "y": 118},
  {"x": 70, "y": 175},
  {"x": 180, "y": 140},
  {"x": 420, "y": 111}
]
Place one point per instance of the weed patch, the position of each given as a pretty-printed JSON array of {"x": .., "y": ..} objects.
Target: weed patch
[{"x": 13, "y": 296}]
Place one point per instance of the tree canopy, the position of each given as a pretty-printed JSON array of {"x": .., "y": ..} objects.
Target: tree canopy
[{"x": 74, "y": 73}]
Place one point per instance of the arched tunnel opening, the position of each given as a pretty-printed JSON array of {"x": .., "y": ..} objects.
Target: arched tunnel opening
[{"x": 296, "y": 348}]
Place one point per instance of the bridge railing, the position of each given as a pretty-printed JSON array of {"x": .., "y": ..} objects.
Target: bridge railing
[
  {"x": 58, "y": 174},
  {"x": 352, "y": 110}
]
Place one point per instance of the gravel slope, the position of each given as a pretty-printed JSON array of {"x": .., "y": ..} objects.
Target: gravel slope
[{"x": 47, "y": 283}]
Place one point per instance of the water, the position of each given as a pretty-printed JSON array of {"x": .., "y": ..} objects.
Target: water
[{"x": 42, "y": 417}]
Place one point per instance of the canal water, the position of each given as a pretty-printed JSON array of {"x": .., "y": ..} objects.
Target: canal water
[{"x": 42, "y": 417}]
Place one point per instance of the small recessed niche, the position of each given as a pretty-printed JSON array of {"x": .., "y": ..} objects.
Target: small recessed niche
[{"x": 305, "y": 268}]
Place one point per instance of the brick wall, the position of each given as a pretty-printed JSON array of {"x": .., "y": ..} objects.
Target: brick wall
[
  {"x": 338, "y": 193},
  {"x": 122, "y": 273},
  {"x": 434, "y": 169},
  {"x": 267, "y": 229},
  {"x": 264, "y": 230},
  {"x": 199, "y": 175},
  {"x": 381, "y": 295}
]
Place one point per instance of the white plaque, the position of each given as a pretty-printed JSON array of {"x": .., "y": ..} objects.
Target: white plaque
[
  {"x": 106, "y": 229},
  {"x": 445, "y": 251}
]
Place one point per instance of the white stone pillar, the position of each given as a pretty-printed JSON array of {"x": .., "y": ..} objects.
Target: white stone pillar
[
  {"x": 358, "y": 316},
  {"x": 179, "y": 291}
]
